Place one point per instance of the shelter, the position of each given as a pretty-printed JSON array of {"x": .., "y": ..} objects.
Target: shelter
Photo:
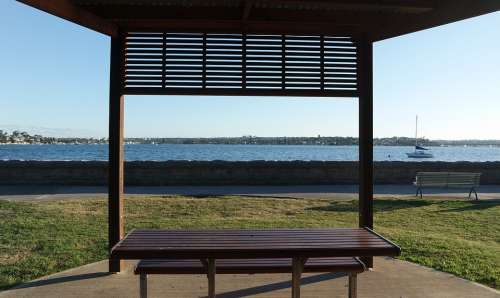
[{"x": 249, "y": 47}]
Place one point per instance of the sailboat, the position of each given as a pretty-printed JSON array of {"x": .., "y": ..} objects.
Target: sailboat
[{"x": 420, "y": 152}]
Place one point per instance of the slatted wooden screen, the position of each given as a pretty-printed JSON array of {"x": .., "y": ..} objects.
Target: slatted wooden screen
[{"x": 240, "y": 64}]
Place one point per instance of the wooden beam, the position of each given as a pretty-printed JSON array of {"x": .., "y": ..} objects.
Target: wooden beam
[
  {"x": 446, "y": 11},
  {"x": 67, "y": 10},
  {"x": 116, "y": 153},
  {"x": 225, "y": 26},
  {"x": 365, "y": 83},
  {"x": 240, "y": 92}
]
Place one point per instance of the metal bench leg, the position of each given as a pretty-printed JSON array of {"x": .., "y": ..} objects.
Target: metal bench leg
[
  {"x": 143, "y": 285},
  {"x": 211, "y": 278},
  {"x": 353, "y": 286},
  {"x": 297, "y": 267},
  {"x": 475, "y": 193},
  {"x": 419, "y": 191}
]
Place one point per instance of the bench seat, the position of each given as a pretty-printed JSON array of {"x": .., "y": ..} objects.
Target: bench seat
[
  {"x": 245, "y": 266},
  {"x": 349, "y": 265}
]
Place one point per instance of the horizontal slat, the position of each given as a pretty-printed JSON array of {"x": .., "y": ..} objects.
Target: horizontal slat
[
  {"x": 263, "y": 58},
  {"x": 194, "y": 39},
  {"x": 183, "y": 35},
  {"x": 222, "y": 63},
  {"x": 261, "y": 49},
  {"x": 133, "y": 83},
  {"x": 151, "y": 57},
  {"x": 341, "y": 86},
  {"x": 263, "y": 37},
  {"x": 262, "y": 79},
  {"x": 223, "y": 85},
  {"x": 178, "y": 78},
  {"x": 302, "y": 38},
  {"x": 144, "y": 35},
  {"x": 144, "y": 67},
  {"x": 303, "y": 86},
  {"x": 223, "y": 79},
  {"x": 173, "y": 83},
  {"x": 224, "y": 58},
  {"x": 144, "y": 51},
  {"x": 143, "y": 78},
  {"x": 144, "y": 46},
  {"x": 347, "y": 56},
  {"x": 179, "y": 52},
  {"x": 142, "y": 73},
  {"x": 150, "y": 62},
  {"x": 264, "y": 42},
  {"x": 270, "y": 83},
  {"x": 145, "y": 40}
]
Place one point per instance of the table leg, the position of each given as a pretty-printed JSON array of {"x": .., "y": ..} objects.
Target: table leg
[
  {"x": 211, "y": 278},
  {"x": 353, "y": 287},
  {"x": 297, "y": 266},
  {"x": 143, "y": 285}
]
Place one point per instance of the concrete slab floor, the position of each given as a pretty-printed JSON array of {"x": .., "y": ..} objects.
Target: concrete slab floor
[{"x": 390, "y": 278}]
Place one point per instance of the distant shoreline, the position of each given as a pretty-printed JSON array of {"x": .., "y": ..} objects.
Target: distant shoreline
[
  {"x": 256, "y": 144},
  {"x": 21, "y": 137}
]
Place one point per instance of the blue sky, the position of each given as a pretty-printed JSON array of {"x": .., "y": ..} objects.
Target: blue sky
[{"x": 55, "y": 74}]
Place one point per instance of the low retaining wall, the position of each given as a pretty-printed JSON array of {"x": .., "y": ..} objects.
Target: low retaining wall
[{"x": 150, "y": 173}]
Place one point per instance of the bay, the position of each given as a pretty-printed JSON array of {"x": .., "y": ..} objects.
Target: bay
[{"x": 161, "y": 152}]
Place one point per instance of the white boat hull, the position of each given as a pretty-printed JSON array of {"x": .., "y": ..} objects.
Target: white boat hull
[{"x": 419, "y": 155}]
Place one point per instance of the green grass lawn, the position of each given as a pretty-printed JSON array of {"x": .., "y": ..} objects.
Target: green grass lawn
[{"x": 42, "y": 237}]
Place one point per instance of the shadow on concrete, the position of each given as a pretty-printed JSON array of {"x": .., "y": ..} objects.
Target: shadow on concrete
[
  {"x": 62, "y": 279},
  {"x": 278, "y": 286}
]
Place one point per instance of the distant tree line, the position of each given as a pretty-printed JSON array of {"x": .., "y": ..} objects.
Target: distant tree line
[{"x": 21, "y": 137}]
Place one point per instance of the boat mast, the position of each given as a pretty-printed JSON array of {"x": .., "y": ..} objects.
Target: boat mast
[{"x": 416, "y": 130}]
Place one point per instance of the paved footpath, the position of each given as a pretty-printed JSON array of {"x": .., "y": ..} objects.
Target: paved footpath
[
  {"x": 40, "y": 192},
  {"x": 389, "y": 279}
]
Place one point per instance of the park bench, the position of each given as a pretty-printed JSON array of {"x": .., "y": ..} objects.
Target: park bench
[
  {"x": 350, "y": 265},
  {"x": 447, "y": 180}
]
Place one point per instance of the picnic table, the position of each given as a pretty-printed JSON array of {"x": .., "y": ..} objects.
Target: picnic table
[{"x": 296, "y": 244}]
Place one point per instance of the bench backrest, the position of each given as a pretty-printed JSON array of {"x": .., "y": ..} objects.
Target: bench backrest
[{"x": 448, "y": 179}]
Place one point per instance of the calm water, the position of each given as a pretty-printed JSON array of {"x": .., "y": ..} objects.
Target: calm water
[{"x": 238, "y": 152}]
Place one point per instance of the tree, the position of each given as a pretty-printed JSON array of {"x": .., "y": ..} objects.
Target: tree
[{"x": 3, "y": 136}]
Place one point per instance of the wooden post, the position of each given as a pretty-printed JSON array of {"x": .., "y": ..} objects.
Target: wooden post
[
  {"x": 115, "y": 178},
  {"x": 353, "y": 286},
  {"x": 211, "y": 266},
  {"x": 365, "y": 81},
  {"x": 297, "y": 268}
]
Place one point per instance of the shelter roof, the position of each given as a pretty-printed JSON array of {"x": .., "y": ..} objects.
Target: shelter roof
[{"x": 379, "y": 19}]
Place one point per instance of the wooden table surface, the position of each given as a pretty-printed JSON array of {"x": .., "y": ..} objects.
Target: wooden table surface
[{"x": 234, "y": 244}]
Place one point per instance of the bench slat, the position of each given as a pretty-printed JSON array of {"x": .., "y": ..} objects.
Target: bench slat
[{"x": 249, "y": 266}]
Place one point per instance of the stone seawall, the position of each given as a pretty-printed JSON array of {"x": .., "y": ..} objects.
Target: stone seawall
[{"x": 150, "y": 173}]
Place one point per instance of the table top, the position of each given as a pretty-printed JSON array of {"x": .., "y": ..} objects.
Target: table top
[{"x": 234, "y": 244}]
